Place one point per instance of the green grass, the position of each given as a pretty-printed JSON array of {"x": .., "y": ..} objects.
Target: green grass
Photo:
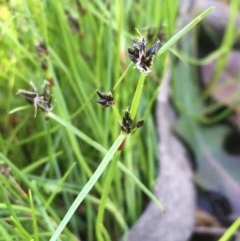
[
  {"x": 231, "y": 230},
  {"x": 65, "y": 179},
  {"x": 56, "y": 158}
]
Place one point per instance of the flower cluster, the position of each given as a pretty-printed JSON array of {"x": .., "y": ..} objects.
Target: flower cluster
[
  {"x": 140, "y": 56},
  {"x": 42, "y": 100},
  {"x": 127, "y": 124},
  {"x": 106, "y": 99}
]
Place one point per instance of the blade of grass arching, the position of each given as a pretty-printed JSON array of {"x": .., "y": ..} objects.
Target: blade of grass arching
[
  {"x": 184, "y": 30},
  {"x": 222, "y": 114},
  {"x": 86, "y": 189},
  {"x": 231, "y": 230},
  {"x": 36, "y": 164},
  {"x": 106, "y": 186},
  {"x": 34, "y": 217},
  {"x": 122, "y": 76},
  {"x": 20, "y": 108},
  {"x": 78, "y": 133},
  {"x": 196, "y": 61},
  {"x": 141, "y": 186},
  {"x": 18, "y": 208}
]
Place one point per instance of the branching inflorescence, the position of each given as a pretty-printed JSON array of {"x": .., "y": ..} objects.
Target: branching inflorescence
[{"x": 143, "y": 60}]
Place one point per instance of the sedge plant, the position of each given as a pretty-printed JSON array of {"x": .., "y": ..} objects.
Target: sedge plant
[{"x": 71, "y": 163}]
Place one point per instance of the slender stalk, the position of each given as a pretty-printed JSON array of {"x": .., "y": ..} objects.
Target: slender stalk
[
  {"x": 116, "y": 112},
  {"x": 232, "y": 229},
  {"x": 122, "y": 77},
  {"x": 137, "y": 96},
  {"x": 184, "y": 30},
  {"x": 86, "y": 189}
]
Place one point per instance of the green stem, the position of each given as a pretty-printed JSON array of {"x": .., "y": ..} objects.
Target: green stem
[
  {"x": 231, "y": 230},
  {"x": 116, "y": 112},
  {"x": 137, "y": 96},
  {"x": 102, "y": 205}
]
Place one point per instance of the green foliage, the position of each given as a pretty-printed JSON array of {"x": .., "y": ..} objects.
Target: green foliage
[
  {"x": 47, "y": 164},
  {"x": 232, "y": 229}
]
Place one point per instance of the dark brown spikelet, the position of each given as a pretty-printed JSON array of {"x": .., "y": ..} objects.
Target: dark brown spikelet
[
  {"x": 106, "y": 99},
  {"x": 142, "y": 58},
  {"x": 43, "y": 101}
]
